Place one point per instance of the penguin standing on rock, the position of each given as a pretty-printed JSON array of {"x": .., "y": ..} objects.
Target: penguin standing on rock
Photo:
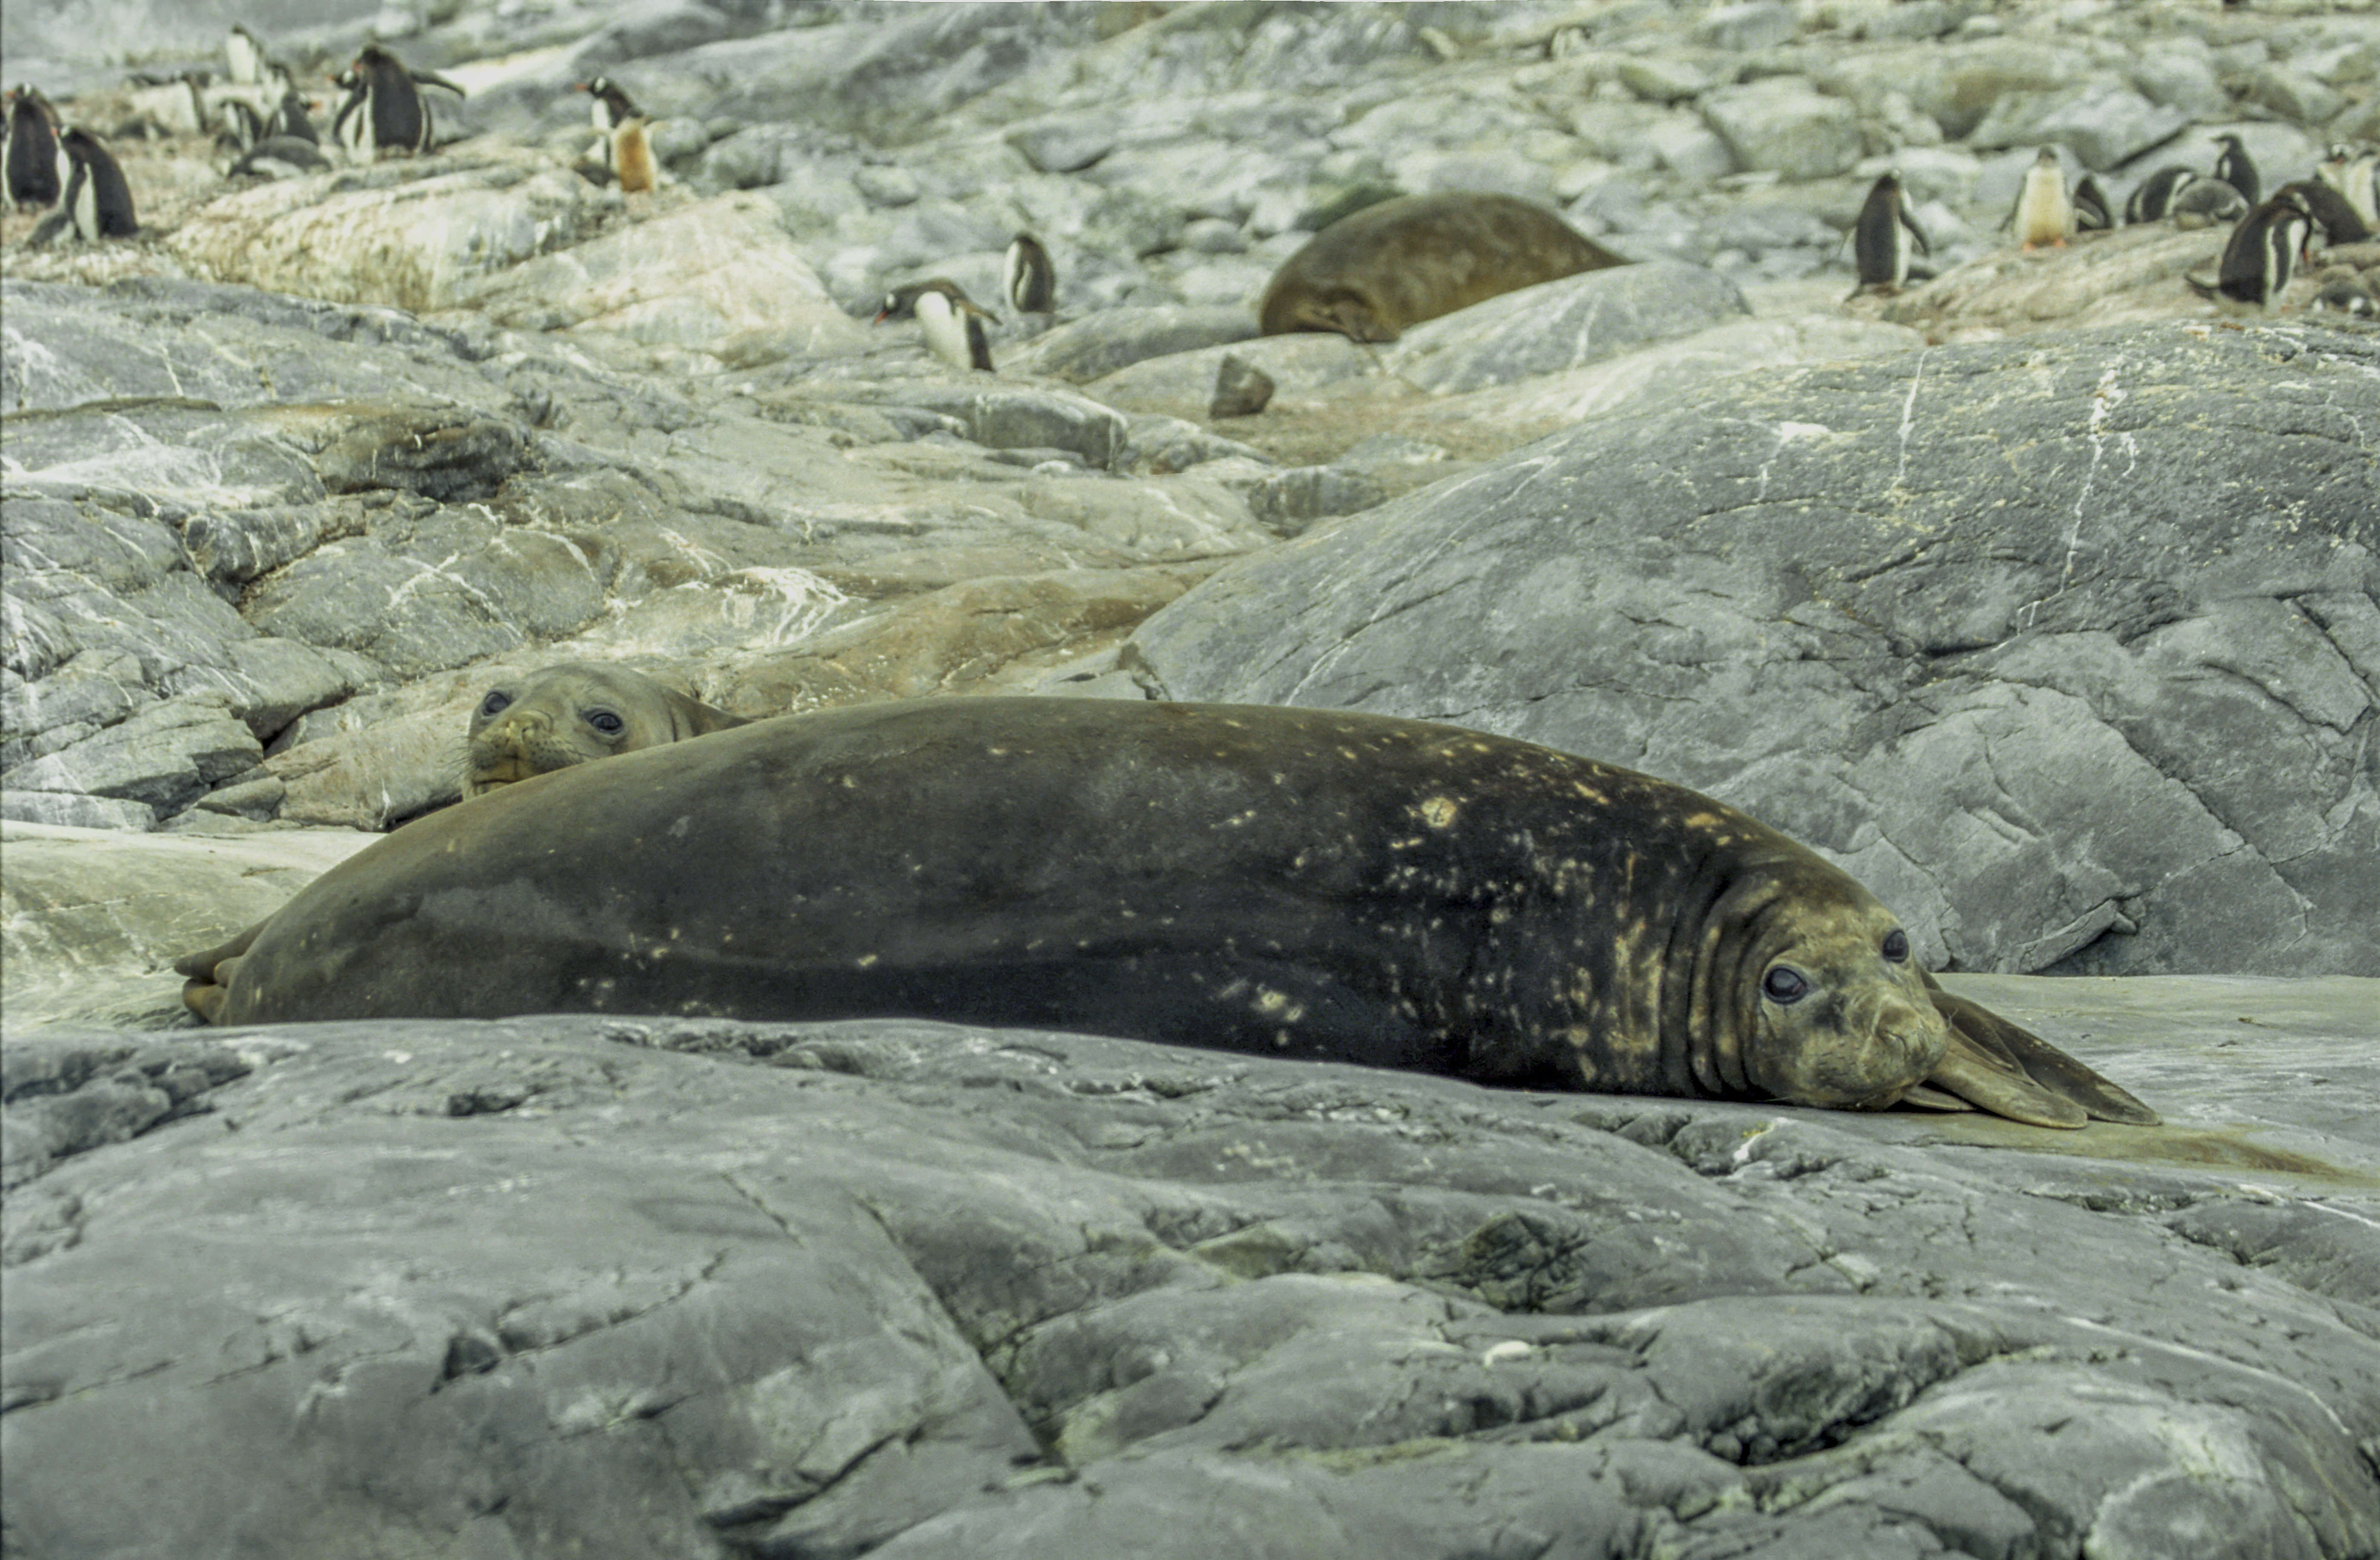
[
  {"x": 624, "y": 153},
  {"x": 36, "y": 169},
  {"x": 951, "y": 322},
  {"x": 384, "y": 112},
  {"x": 97, "y": 203},
  {"x": 2340, "y": 223},
  {"x": 1031, "y": 280},
  {"x": 1882, "y": 236},
  {"x": 2269, "y": 243},
  {"x": 2238, "y": 170},
  {"x": 2045, "y": 213}
]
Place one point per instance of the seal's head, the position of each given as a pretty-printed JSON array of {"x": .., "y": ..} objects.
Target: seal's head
[
  {"x": 570, "y": 714},
  {"x": 1837, "y": 1013}
]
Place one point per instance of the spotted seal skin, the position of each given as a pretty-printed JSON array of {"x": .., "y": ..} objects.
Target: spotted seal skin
[
  {"x": 1290, "y": 882},
  {"x": 571, "y": 713},
  {"x": 1371, "y": 273}
]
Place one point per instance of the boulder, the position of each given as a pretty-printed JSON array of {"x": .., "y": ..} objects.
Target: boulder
[
  {"x": 1563, "y": 324},
  {"x": 415, "y": 233},
  {"x": 637, "y": 1286},
  {"x": 1784, "y": 125},
  {"x": 2104, "y": 123},
  {"x": 719, "y": 277},
  {"x": 2000, "y": 628}
]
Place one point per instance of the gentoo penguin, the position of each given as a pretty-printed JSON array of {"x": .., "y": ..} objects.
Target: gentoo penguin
[
  {"x": 280, "y": 157},
  {"x": 1031, "y": 280},
  {"x": 2340, "y": 223},
  {"x": 291, "y": 121},
  {"x": 2204, "y": 202},
  {"x": 951, "y": 322},
  {"x": 384, "y": 111},
  {"x": 2091, "y": 212},
  {"x": 2238, "y": 170},
  {"x": 242, "y": 125},
  {"x": 36, "y": 169},
  {"x": 2354, "y": 172},
  {"x": 2045, "y": 214},
  {"x": 1882, "y": 236},
  {"x": 246, "y": 56},
  {"x": 2155, "y": 196},
  {"x": 2257, "y": 258},
  {"x": 2343, "y": 292},
  {"x": 97, "y": 203},
  {"x": 623, "y": 150}
]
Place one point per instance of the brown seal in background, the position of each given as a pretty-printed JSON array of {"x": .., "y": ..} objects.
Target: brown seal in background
[{"x": 1370, "y": 274}]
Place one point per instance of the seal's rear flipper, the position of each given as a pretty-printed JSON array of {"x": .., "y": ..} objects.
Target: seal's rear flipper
[
  {"x": 1918, "y": 1096},
  {"x": 211, "y": 971},
  {"x": 2009, "y": 1070}
]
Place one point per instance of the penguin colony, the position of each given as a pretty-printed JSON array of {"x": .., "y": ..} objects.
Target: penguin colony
[
  {"x": 2272, "y": 240},
  {"x": 263, "y": 127}
]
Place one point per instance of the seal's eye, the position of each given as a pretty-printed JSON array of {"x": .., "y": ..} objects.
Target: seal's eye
[
  {"x": 1783, "y": 986},
  {"x": 495, "y": 702},
  {"x": 1896, "y": 945},
  {"x": 605, "y": 721}
]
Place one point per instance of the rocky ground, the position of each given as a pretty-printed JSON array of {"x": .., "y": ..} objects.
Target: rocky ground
[{"x": 2041, "y": 597}]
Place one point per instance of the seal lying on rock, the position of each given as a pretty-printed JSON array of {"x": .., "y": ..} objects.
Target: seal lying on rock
[
  {"x": 1294, "y": 882},
  {"x": 1370, "y": 274},
  {"x": 571, "y": 713}
]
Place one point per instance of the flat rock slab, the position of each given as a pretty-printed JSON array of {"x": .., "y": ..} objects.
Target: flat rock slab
[
  {"x": 2067, "y": 648},
  {"x": 667, "y": 1287},
  {"x": 92, "y": 919}
]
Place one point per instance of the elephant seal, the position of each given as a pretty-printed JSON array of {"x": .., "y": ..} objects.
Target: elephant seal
[
  {"x": 1373, "y": 273},
  {"x": 571, "y": 713},
  {"x": 1292, "y": 882}
]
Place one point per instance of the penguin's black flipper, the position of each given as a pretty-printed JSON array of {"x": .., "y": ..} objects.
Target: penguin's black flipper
[{"x": 432, "y": 78}]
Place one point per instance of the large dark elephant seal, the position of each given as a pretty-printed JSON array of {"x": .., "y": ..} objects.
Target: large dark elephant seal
[
  {"x": 1295, "y": 882},
  {"x": 1371, "y": 273},
  {"x": 571, "y": 713}
]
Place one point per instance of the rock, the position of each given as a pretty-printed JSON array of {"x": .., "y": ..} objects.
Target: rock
[
  {"x": 441, "y": 458},
  {"x": 1098, "y": 345},
  {"x": 1289, "y": 501},
  {"x": 1066, "y": 143},
  {"x": 1781, "y": 125},
  {"x": 1242, "y": 389},
  {"x": 94, "y": 920},
  {"x": 414, "y": 234},
  {"x": 719, "y": 277},
  {"x": 2293, "y": 96},
  {"x": 1754, "y": 24},
  {"x": 2177, "y": 76},
  {"x": 2130, "y": 273},
  {"x": 1001, "y": 417},
  {"x": 1978, "y": 649},
  {"x": 164, "y": 756},
  {"x": 2103, "y": 124},
  {"x": 1561, "y": 324},
  {"x": 919, "y": 1290},
  {"x": 1659, "y": 80}
]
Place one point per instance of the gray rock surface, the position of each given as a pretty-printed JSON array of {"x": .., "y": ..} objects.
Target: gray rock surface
[
  {"x": 654, "y": 1288},
  {"x": 2093, "y": 691}
]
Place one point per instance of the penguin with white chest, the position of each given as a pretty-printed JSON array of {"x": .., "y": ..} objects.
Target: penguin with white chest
[
  {"x": 384, "y": 111},
  {"x": 952, "y": 323},
  {"x": 2261, "y": 254},
  {"x": 97, "y": 203},
  {"x": 2045, "y": 213},
  {"x": 2236, "y": 168},
  {"x": 1884, "y": 235},
  {"x": 624, "y": 153},
  {"x": 1031, "y": 280}
]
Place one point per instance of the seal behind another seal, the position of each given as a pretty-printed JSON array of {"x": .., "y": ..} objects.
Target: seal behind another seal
[
  {"x": 571, "y": 713},
  {"x": 1370, "y": 274}
]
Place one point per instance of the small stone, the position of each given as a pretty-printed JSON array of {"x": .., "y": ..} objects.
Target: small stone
[
  {"x": 1241, "y": 389},
  {"x": 1656, "y": 79},
  {"x": 887, "y": 185}
]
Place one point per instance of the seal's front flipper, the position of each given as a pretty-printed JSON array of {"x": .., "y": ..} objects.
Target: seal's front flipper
[
  {"x": 2009, "y": 1070},
  {"x": 211, "y": 971}
]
